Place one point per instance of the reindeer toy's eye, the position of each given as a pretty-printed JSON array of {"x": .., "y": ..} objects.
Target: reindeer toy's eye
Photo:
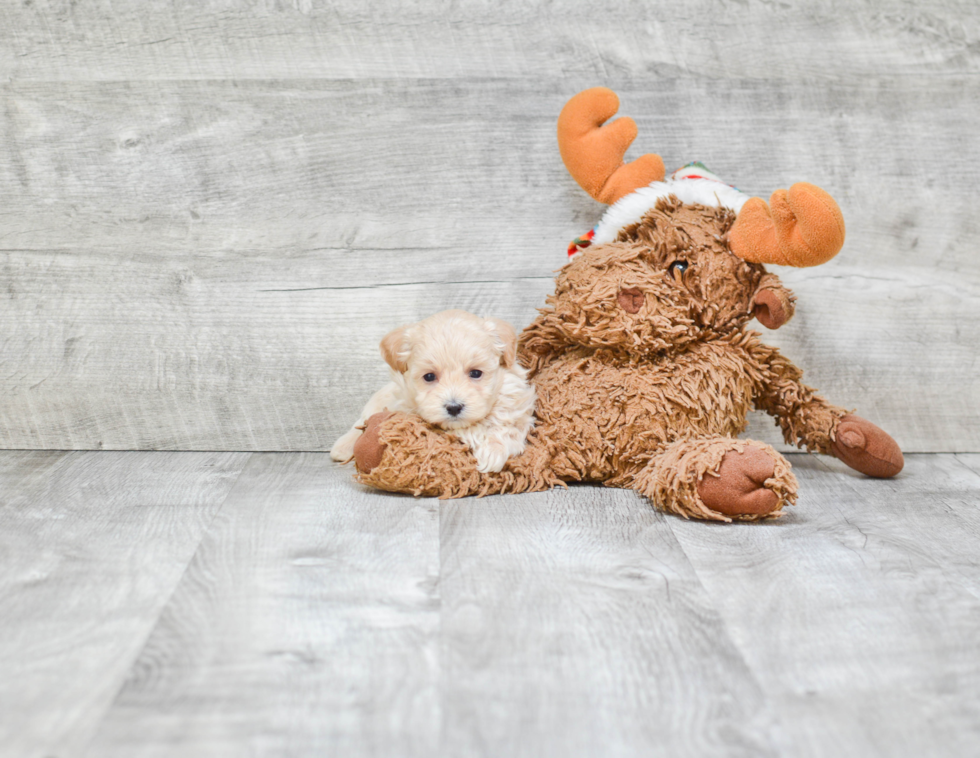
[{"x": 676, "y": 270}]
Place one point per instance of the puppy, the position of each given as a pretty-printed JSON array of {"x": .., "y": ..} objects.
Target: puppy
[{"x": 460, "y": 373}]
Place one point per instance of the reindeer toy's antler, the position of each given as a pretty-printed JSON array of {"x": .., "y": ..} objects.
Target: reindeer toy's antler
[
  {"x": 593, "y": 153},
  {"x": 799, "y": 227}
]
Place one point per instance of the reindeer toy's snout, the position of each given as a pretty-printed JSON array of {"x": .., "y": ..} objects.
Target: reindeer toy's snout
[{"x": 643, "y": 366}]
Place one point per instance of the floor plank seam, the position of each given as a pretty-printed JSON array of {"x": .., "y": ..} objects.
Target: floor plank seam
[
  {"x": 111, "y": 703},
  {"x": 775, "y": 722},
  {"x": 967, "y": 466}
]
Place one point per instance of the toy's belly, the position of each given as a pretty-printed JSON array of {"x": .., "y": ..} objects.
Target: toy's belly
[{"x": 607, "y": 417}]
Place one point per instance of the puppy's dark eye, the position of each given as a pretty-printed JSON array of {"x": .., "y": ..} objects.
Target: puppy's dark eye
[
  {"x": 676, "y": 270},
  {"x": 430, "y": 377},
  {"x": 476, "y": 373}
]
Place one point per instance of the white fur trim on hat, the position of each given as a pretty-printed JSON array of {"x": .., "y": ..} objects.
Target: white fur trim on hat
[{"x": 631, "y": 208}]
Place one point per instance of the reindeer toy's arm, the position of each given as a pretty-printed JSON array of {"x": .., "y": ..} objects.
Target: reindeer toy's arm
[{"x": 807, "y": 420}]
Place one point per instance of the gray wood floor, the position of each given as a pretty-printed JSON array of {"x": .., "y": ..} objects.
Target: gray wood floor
[{"x": 231, "y": 604}]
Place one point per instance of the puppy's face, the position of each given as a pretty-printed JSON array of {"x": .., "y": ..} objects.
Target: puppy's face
[{"x": 453, "y": 365}]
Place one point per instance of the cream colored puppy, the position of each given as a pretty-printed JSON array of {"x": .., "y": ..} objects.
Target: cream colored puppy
[{"x": 458, "y": 372}]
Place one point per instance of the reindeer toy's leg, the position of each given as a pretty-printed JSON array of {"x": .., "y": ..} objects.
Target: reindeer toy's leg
[{"x": 716, "y": 478}]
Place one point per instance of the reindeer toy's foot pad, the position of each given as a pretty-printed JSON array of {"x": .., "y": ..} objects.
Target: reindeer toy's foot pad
[
  {"x": 368, "y": 449},
  {"x": 738, "y": 488},
  {"x": 867, "y": 448}
]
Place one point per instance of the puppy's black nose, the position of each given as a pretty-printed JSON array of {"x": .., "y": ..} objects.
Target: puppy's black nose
[{"x": 454, "y": 409}]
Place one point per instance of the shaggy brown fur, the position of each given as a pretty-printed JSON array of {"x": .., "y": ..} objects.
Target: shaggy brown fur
[{"x": 645, "y": 374}]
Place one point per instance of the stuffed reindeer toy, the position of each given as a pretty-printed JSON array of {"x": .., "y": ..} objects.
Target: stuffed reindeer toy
[{"x": 642, "y": 363}]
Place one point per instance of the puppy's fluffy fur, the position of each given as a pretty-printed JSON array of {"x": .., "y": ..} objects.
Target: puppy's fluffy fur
[{"x": 459, "y": 372}]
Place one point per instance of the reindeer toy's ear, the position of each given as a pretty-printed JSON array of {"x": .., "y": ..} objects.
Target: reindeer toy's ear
[{"x": 772, "y": 304}]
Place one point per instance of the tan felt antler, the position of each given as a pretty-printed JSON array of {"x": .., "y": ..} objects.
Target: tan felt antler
[
  {"x": 802, "y": 227},
  {"x": 593, "y": 153}
]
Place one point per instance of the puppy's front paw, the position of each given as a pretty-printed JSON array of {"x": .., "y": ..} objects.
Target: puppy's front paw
[
  {"x": 343, "y": 449},
  {"x": 490, "y": 458}
]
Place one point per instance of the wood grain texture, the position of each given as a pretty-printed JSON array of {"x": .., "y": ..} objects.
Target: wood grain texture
[
  {"x": 444, "y": 174},
  {"x": 57, "y": 39},
  {"x": 320, "y": 618},
  {"x": 860, "y": 609},
  {"x": 225, "y": 365},
  {"x": 970, "y": 460},
  {"x": 210, "y": 265},
  {"x": 573, "y": 625},
  {"x": 91, "y": 548},
  {"x": 294, "y": 377},
  {"x": 307, "y": 624}
]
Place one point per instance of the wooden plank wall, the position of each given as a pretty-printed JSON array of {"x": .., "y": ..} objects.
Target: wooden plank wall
[{"x": 210, "y": 212}]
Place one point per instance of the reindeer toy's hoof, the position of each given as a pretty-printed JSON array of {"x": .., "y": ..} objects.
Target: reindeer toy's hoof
[
  {"x": 867, "y": 448},
  {"x": 738, "y": 488},
  {"x": 369, "y": 448},
  {"x": 644, "y": 368}
]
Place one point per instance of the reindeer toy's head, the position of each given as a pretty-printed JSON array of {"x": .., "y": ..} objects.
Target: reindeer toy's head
[{"x": 675, "y": 260}]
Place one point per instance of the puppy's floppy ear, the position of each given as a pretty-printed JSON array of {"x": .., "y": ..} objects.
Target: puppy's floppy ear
[
  {"x": 772, "y": 304},
  {"x": 505, "y": 341},
  {"x": 395, "y": 348}
]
